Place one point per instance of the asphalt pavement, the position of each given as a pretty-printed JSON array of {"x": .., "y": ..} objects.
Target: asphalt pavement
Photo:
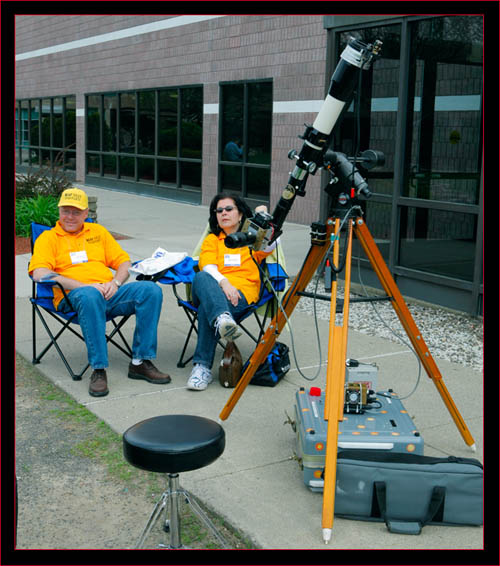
[{"x": 257, "y": 484}]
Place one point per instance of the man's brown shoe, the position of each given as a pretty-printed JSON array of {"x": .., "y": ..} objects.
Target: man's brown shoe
[
  {"x": 98, "y": 383},
  {"x": 149, "y": 372}
]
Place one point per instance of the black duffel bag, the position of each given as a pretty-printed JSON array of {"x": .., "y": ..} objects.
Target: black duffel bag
[
  {"x": 408, "y": 491},
  {"x": 273, "y": 368}
]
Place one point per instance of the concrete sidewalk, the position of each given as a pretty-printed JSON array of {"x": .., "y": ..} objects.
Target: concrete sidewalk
[{"x": 257, "y": 485}]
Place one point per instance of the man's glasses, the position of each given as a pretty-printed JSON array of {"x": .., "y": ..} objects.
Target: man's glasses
[
  {"x": 70, "y": 212},
  {"x": 226, "y": 208}
]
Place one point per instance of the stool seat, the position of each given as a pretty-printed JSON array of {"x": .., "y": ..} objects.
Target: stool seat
[{"x": 173, "y": 443}]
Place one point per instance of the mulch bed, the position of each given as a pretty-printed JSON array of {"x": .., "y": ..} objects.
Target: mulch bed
[{"x": 23, "y": 245}]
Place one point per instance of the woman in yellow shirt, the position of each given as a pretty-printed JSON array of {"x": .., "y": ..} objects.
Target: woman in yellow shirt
[{"x": 228, "y": 281}]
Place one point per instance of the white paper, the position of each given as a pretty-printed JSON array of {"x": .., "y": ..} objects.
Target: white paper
[{"x": 160, "y": 260}]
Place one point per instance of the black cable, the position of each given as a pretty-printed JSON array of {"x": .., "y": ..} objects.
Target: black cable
[
  {"x": 373, "y": 405},
  {"x": 399, "y": 337},
  {"x": 280, "y": 306},
  {"x": 343, "y": 255}
]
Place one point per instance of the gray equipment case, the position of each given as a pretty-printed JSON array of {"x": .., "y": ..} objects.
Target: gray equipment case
[
  {"x": 408, "y": 491},
  {"x": 388, "y": 428}
]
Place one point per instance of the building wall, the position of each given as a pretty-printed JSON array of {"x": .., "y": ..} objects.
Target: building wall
[
  {"x": 289, "y": 49},
  {"x": 83, "y": 55}
]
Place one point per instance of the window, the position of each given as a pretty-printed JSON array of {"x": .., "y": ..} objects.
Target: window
[
  {"x": 46, "y": 132},
  {"x": 167, "y": 123},
  {"x": 127, "y": 113},
  {"x": 69, "y": 132},
  {"x": 444, "y": 146},
  {"x": 445, "y": 91},
  {"x": 148, "y": 136},
  {"x": 421, "y": 104},
  {"x": 110, "y": 121},
  {"x": 146, "y": 122},
  {"x": 245, "y": 151},
  {"x": 378, "y": 109}
]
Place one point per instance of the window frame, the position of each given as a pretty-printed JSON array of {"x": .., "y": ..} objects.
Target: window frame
[
  {"x": 244, "y": 165},
  {"x": 461, "y": 293},
  {"x": 159, "y": 187},
  {"x": 58, "y": 155}
]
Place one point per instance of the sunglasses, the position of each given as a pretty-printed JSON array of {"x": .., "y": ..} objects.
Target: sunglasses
[{"x": 226, "y": 208}]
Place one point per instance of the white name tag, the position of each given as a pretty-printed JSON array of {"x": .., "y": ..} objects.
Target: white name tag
[
  {"x": 232, "y": 260},
  {"x": 78, "y": 257}
]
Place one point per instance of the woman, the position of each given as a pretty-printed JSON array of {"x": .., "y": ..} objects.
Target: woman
[{"x": 228, "y": 281}]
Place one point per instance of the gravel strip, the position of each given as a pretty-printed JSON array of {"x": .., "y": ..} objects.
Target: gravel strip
[{"x": 451, "y": 336}]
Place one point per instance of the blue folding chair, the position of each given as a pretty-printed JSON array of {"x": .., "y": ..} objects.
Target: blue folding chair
[
  {"x": 42, "y": 303},
  {"x": 263, "y": 309}
]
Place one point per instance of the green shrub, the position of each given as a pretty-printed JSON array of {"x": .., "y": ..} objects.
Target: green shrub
[
  {"x": 42, "y": 209},
  {"x": 46, "y": 180}
]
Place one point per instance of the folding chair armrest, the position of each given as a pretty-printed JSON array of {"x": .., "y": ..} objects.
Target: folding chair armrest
[
  {"x": 51, "y": 283},
  {"x": 47, "y": 281},
  {"x": 65, "y": 296}
]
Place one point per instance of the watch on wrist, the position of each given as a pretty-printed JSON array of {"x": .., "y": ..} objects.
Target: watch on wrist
[{"x": 118, "y": 284}]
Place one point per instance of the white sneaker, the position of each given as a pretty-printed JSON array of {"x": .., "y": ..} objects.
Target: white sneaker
[
  {"x": 200, "y": 378},
  {"x": 226, "y": 326}
]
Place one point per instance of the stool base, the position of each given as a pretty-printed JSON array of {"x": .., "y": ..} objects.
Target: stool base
[{"x": 169, "y": 501}]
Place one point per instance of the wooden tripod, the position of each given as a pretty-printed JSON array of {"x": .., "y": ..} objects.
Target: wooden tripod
[{"x": 337, "y": 343}]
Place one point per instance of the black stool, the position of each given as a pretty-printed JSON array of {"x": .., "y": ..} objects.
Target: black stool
[{"x": 171, "y": 444}]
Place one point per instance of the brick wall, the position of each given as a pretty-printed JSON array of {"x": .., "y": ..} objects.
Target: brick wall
[{"x": 291, "y": 50}]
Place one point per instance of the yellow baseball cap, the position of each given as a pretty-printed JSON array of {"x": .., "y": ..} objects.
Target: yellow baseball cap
[{"x": 74, "y": 197}]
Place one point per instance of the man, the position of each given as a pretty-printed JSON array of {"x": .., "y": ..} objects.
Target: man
[
  {"x": 233, "y": 150},
  {"x": 79, "y": 255}
]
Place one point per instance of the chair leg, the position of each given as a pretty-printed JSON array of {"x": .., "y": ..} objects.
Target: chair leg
[
  {"x": 117, "y": 330},
  {"x": 192, "y": 319},
  {"x": 248, "y": 333},
  {"x": 66, "y": 325},
  {"x": 53, "y": 342},
  {"x": 33, "y": 334}
]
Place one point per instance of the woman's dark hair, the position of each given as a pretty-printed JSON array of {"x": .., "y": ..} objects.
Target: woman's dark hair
[{"x": 240, "y": 204}]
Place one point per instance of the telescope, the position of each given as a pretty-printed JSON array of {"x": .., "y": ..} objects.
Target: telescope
[
  {"x": 263, "y": 229},
  {"x": 346, "y": 185}
]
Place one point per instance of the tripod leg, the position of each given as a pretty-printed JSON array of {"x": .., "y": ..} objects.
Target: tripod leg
[
  {"x": 334, "y": 406},
  {"x": 290, "y": 300},
  {"x": 404, "y": 315}
]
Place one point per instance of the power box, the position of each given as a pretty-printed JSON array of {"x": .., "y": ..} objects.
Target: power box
[
  {"x": 358, "y": 372},
  {"x": 384, "y": 427}
]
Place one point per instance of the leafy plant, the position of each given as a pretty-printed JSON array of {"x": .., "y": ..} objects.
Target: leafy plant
[
  {"x": 42, "y": 209},
  {"x": 46, "y": 180}
]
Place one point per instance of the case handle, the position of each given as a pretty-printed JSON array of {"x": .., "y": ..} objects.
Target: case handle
[{"x": 407, "y": 527}]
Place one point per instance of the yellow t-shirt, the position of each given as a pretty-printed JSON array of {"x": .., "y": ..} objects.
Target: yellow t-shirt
[
  {"x": 235, "y": 264},
  {"x": 86, "y": 256}
]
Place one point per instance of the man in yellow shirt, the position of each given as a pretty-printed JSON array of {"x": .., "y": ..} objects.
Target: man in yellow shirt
[{"x": 79, "y": 255}]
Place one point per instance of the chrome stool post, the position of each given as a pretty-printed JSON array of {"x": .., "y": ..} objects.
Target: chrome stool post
[{"x": 171, "y": 444}]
